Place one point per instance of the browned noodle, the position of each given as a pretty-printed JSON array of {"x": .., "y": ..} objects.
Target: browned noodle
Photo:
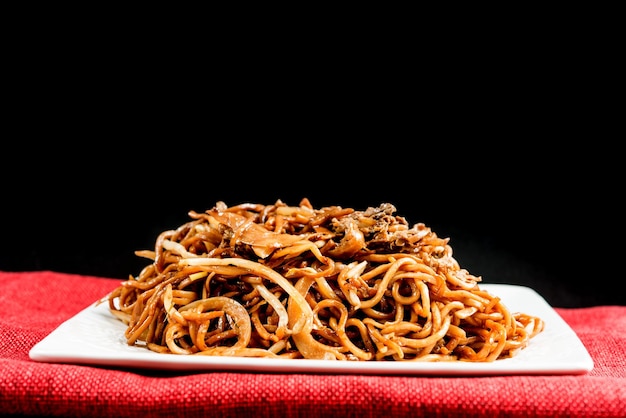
[{"x": 299, "y": 282}]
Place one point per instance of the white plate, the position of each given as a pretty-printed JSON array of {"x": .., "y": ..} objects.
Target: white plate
[{"x": 95, "y": 337}]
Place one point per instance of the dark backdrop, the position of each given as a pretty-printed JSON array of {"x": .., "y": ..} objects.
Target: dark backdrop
[
  {"x": 506, "y": 145},
  {"x": 537, "y": 215}
]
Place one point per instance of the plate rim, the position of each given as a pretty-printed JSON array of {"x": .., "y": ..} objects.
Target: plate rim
[{"x": 63, "y": 345}]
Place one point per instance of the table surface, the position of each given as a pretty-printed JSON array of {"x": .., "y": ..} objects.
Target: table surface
[{"x": 37, "y": 302}]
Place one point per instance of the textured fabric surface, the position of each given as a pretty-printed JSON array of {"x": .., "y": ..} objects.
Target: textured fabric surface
[{"x": 34, "y": 303}]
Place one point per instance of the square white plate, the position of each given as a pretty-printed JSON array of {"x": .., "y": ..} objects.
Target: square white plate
[{"x": 95, "y": 337}]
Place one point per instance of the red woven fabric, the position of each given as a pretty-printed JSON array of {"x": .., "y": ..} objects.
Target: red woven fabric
[{"x": 34, "y": 303}]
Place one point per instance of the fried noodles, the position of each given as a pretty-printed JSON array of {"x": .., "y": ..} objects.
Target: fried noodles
[{"x": 295, "y": 282}]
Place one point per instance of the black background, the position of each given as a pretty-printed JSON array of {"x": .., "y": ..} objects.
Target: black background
[
  {"x": 537, "y": 214},
  {"x": 505, "y": 141},
  {"x": 509, "y": 147}
]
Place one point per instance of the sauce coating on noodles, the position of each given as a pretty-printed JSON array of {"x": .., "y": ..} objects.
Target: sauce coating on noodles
[{"x": 321, "y": 283}]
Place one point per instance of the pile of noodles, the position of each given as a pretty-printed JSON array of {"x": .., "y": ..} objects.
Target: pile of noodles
[{"x": 298, "y": 282}]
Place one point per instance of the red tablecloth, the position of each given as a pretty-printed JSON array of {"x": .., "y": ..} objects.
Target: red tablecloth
[{"x": 35, "y": 303}]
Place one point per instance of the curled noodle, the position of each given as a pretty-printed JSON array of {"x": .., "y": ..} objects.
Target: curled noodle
[{"x": 333, "y": 283}]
